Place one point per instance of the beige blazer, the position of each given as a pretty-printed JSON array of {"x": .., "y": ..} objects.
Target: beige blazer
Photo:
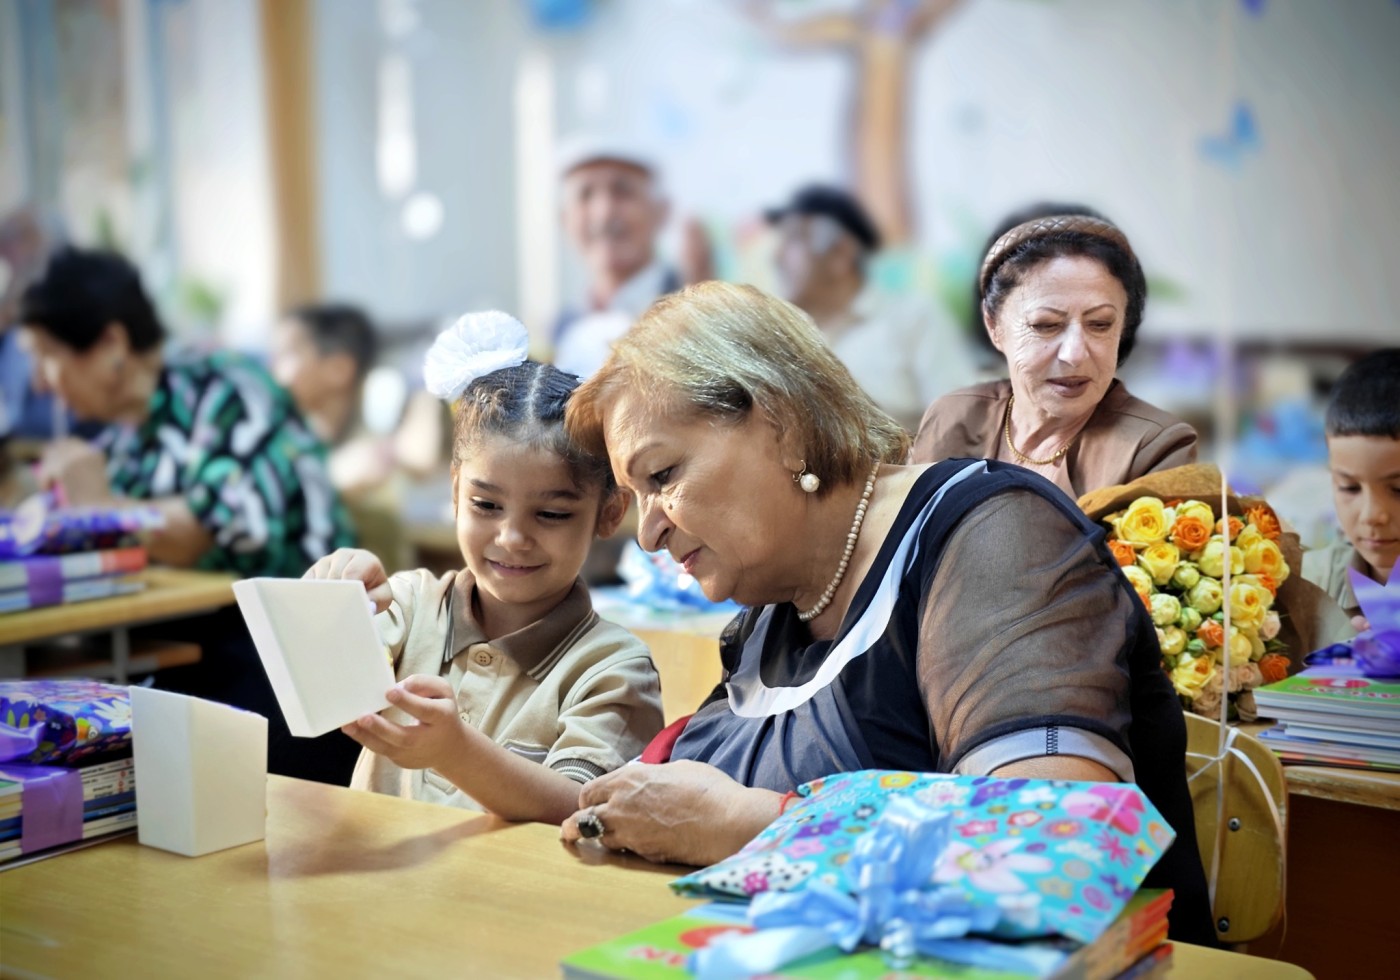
[{"x": 1124, "y": 439}]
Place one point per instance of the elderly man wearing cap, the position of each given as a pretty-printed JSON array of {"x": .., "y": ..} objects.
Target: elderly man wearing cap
[
  {"x": 613, "y": 210},
  {"x": 894, "y": 346}
]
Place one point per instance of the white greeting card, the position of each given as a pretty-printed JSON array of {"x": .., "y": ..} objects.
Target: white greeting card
[
  {"x": 201, "y": 773},
  {"x": 317, "y": 641}
]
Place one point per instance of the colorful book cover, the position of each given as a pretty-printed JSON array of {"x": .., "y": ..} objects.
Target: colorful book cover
[
  {"x": 45, "y": 571},
  {"x": 11, "y": 828},
  {"x": 1332, "y": 690},
  {"x": 661, "y": 951},
  {"x": 57, "y": 593}
]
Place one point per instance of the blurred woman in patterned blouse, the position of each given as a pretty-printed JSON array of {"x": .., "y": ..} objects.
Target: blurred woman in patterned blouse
[{"x": 208, "y": 440}]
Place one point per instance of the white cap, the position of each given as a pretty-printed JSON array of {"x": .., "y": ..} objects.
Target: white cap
[{"x": 577, "y": 150}]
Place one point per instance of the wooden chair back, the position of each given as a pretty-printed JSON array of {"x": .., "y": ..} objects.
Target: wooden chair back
[{"x": 1240, "y": 802}]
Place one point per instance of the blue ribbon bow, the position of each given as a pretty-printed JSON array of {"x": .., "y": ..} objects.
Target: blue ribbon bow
[{"x": 895, "y": 906}]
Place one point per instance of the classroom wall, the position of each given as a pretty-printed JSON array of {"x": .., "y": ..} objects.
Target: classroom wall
[
  {"x": 1126, "y": 105},
  {"x": 461, "y": 60}
]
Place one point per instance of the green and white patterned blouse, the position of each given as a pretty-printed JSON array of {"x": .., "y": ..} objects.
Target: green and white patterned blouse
[{"x": 224, "y": 436}]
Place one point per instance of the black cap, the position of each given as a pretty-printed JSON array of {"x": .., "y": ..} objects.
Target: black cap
[{"x": 835, "y": 204}]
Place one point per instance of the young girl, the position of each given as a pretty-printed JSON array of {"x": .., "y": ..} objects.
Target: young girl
[{"x": 512, "y": 692}]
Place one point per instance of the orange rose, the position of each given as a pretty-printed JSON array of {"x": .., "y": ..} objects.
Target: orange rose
[
  {"x": 1265, "y": 520},
  {"x": 1236, "y": 526},
  {"x": 1267, "y": 581},
  {"x": 1123, "y": 552},
  {"x": 1212, "y": 634},
  {"x": 1274, "y": 667},
  {"x": 1190, "y": 533}
]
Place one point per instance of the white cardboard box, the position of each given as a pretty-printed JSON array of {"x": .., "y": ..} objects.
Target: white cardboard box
[
  {"x": 201, "y": 772},
  {"x": 317, "y": 641}
]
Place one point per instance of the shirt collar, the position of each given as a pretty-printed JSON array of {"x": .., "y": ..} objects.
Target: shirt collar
[
  {"x": 635, "y": 295},
  {"x": 536, "y": 648}
]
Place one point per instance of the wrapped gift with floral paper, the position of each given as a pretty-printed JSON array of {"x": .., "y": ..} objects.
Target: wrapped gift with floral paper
[
  {"x": 40, "y": 526},
  {"x": 925, "y": 864},
  {"x": 1173, "y": 542},
  {"x": 63, "y": 722}
]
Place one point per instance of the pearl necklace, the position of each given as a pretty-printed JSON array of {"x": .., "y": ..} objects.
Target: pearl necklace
[
  {"x": 1022, "y": 456},
  {"x": 851, "y": 537}
]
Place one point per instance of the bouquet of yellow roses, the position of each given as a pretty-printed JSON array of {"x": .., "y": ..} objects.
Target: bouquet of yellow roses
[{"x": 1170, "y": 539}]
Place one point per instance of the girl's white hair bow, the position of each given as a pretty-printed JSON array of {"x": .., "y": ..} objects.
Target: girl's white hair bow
[{"x": 474, "y": 346}]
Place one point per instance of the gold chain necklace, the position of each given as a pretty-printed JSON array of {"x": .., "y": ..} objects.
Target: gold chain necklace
[{"x": 1022, "y": 457}]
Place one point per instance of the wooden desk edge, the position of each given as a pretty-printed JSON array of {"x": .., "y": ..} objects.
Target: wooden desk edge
[{"x": 1363, "y": 787}]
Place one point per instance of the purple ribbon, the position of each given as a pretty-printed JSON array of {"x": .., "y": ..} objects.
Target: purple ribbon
[
  {"x": 1377, "y": 650},
  {"x": 45, "y": 583},
  {"x": 51, "y": 805}
]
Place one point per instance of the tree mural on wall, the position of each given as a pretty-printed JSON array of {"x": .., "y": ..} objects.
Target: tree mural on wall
[{"x": 881, "y": 39}]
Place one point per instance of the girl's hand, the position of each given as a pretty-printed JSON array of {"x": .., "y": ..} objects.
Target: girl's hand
[
  {"x": 437, "y": 737},
  {"x": 677, "y": 812},
  {"x": 1360, "y": 623},
  {"x": 358, "y": 564}
]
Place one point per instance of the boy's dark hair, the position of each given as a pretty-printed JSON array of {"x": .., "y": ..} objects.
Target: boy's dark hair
[
  {"x": 81, "y": 291},
  {"x": 525, "y": 403},
  {"x": 1366, "y": 398},
  {"x": 339, "y": 328}
]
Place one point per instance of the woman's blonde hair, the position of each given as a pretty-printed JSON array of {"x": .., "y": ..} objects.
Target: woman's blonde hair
[{"x": 724, "y": 350}]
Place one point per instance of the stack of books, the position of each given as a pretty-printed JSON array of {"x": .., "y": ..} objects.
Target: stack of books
[
  {"x": 44, "y": 580},
  {"x": 109, "y": 807},
  {"x": 1333, "y": 716},
  {"x": 1134, "y": 946},
  {"x": 66, "y": 771}
]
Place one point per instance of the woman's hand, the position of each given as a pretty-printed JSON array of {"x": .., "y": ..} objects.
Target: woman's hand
[
  {"x": 78, "y": 470},
  {"x": 1360, "y": 623},
  {"x": 361, "y": 565},
  {"x": 676, "y": 813},
  {"x": 436, "y": 738}
]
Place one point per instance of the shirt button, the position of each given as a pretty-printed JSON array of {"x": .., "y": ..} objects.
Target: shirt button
[{"x": 483, "y": 658}]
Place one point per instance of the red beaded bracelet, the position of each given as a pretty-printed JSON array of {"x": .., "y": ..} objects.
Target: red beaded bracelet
[{"x": 788, "y": 797}]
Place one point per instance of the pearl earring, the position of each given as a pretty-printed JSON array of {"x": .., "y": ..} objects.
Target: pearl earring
[{"x": 809, "y": 482}]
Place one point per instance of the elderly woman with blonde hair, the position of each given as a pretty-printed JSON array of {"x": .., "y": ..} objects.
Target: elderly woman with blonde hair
[{"x": 962, "y": 617}]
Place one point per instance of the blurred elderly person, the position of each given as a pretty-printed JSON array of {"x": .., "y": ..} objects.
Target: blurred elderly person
[
  {"x": 613, "y": 212},
  {"x": 1061, "y": 296},
  {"x": 210, "y": 441},
  {"x": 896, "y": 349},
  {"x": 881, "y": 631}
]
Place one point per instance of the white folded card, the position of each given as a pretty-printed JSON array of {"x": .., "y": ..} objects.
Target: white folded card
[{"x": 317, "y": 641}]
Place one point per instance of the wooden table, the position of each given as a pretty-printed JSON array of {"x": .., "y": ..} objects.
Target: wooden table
[
  {"x": 1343, "y": 862},
  {"x": 349, "y": 884},
  {"x": 170, "y": 593}
]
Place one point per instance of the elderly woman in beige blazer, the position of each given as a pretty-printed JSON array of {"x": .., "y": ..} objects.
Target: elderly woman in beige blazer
[{"x": 1061, "y": 296}]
